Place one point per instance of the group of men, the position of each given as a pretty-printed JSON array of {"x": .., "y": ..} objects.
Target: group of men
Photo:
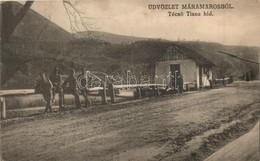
[{"x": 49, "y": 87}]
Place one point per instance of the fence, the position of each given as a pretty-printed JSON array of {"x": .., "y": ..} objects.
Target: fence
[
  {"x": 223, "y": 81},
  {"x": 108, "y": 90},
  {"x": 104, "y": 91}
]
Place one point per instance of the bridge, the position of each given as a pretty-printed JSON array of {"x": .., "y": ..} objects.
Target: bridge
[{"x": 103, "y": 90}]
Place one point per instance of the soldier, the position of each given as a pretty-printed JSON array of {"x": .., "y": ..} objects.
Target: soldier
[
  {"x": 56, "y": 81},
  {"x": 84, "y": 80},
  {"x": 44, "y": 87},
  {"x": 73, "y": 87}
]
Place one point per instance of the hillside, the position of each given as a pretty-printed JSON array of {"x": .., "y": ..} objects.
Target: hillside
[
  {"x": 236, "y": 67},
  {"x": 109, "y": 37},
  {"x": 102, "y": 56},
  {"x": 142, "y": 50}
]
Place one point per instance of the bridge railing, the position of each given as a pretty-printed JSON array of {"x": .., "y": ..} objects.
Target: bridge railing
[
  {"x": 102, "y": 90},
  {"x": 223, "y": 81}
]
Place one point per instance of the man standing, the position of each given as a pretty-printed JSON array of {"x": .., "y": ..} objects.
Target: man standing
[
  {"x": 84, "y": 80},
  {"x": 73, "y": 87},
  {"x": 180, "y": 83},
  {"x": 44, "y": 87},
  {"x": 56, "y": 81}
]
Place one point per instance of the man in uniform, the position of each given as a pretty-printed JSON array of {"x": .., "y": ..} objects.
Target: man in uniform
[
  {"x": 44, "y": 87},
  {"x": 84, "y": 80},
  {"x": 56, "y": 81},
  {"x": 73, "y": 87}
]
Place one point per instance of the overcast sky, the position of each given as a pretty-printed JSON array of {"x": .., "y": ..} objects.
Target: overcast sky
[{"x": 238, "y": 26}]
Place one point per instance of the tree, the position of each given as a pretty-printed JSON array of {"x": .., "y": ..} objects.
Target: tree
[
  {"x": 78, "y": 19},
  {"x": 11, "y": 62},
  {"x": 223, "y": 69},
  {"x": 10, "y": 20}
]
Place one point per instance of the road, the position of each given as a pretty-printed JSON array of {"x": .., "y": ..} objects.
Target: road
[{"x": 190, "y": 126}]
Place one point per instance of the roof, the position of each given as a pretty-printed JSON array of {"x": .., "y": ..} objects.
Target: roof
[{"x": 190, "y": 53}]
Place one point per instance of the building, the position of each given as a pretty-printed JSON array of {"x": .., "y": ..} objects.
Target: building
[{"x": 177, "y": 60}]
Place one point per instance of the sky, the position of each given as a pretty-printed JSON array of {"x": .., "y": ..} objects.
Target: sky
[{"x": 237, "y": 26}]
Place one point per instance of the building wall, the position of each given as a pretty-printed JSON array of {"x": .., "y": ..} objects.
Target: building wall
[
  {"x": 187, "y": 67},
  {"x": 189, "y": 70}
]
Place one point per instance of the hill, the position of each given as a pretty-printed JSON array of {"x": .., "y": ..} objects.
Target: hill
[
  {"x": 106, "y": 57},
  {"x": 109, "y": 37},
  {"x": 236, "y": 67}
]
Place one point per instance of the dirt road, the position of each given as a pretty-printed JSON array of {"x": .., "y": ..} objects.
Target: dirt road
[{"x": 173, "y": 127}]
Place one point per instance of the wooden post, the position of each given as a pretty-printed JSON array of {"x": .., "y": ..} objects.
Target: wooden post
[
  {"x": 196, "y": 86},
  {"x": 3, "y": 108},
  {"x": 154, "y": 91},
  {"x": 139, "y": 92},
  {"x": 111, "y": 92},
  {"x": 158, "y": 91},
  {"x": 215, "y": 83},
  {"x": 104, "y": 94},
  {"x": 210, "y": 83},
  {"x": 187, "y": 87}
]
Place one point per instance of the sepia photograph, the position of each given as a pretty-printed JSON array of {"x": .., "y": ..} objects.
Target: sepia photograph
[{"x": 130, "y": 80}]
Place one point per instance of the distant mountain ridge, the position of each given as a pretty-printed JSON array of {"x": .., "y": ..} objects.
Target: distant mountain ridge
[{"x": 110, "y": 37}]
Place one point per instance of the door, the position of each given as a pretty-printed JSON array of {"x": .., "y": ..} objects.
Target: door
[{"x": 175, "y": 72}]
